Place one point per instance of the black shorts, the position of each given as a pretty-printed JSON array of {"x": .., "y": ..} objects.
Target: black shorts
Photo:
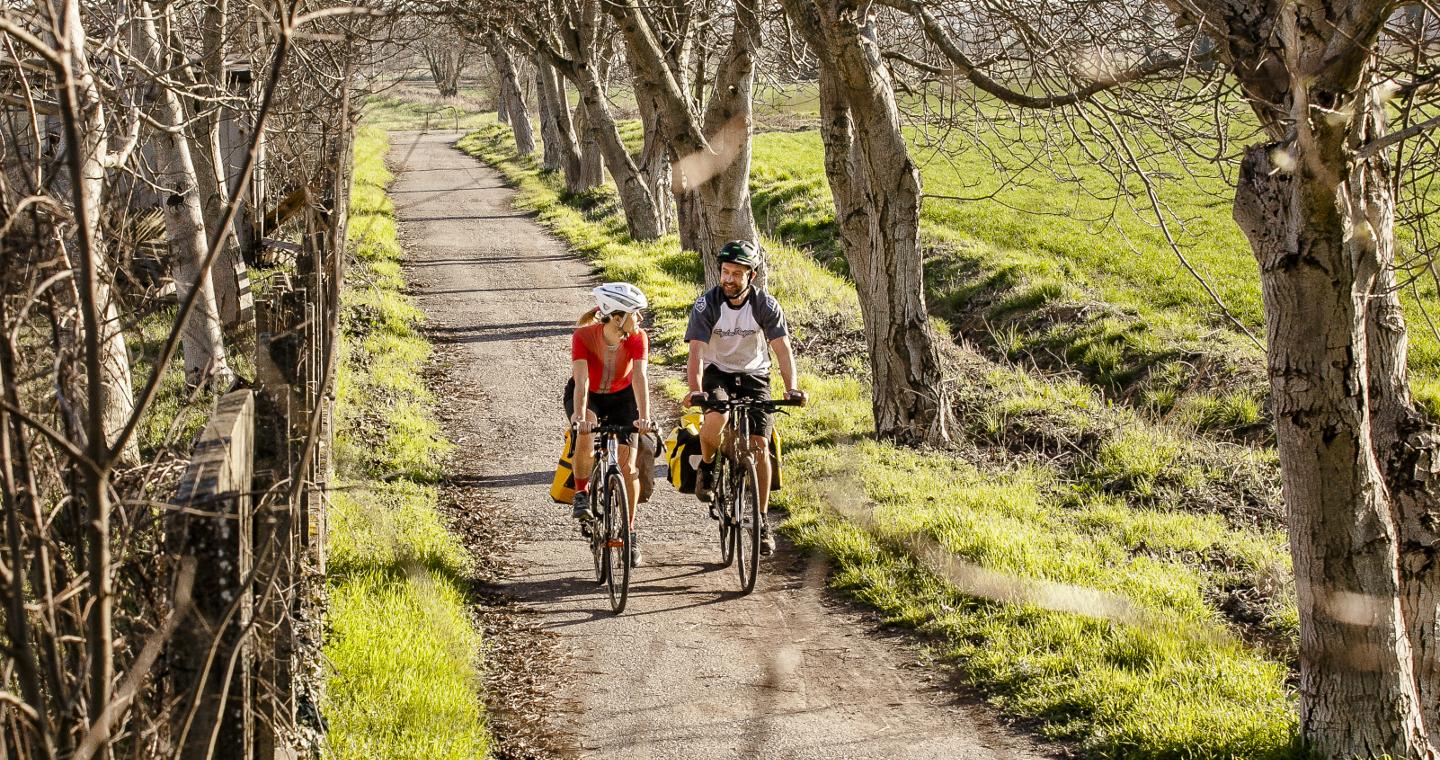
[
  {"x": 741, "y": 385},
  {"x": 618, "y": 408}
]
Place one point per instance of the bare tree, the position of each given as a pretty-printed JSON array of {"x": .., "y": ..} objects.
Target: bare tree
[
  {"x": 573, "y": 38},
  {"x": 876, "y": 189},
  {"x": 516, "y": 111},
  {"x": 446, "y": 60},
  {"x": 1317, "y": 198},
  {"x": 710, "y": 153}
]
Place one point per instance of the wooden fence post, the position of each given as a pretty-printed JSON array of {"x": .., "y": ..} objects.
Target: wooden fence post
[
  {"x": 279, "y": 346},
  {"x": 210, "y": 534}
]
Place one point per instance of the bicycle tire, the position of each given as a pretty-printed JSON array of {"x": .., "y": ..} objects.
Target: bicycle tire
[
  {"x": 719, "y": 488},
  {"x": 617, "y": 542},
  {"x": 597, "y": 535},
  {"x": 745, "y": 503}
]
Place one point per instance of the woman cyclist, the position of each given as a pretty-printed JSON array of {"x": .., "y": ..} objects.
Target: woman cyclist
[{"x": 609, "y": 385}]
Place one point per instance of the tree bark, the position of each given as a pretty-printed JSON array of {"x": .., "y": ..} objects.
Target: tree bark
[
  {"x": 202, "y": 336},
  {"x": 592, "y": 163},
  {"x": 710, "y": 163},
  {"x": 654, "y": 164},
  {"x": 229, "y": 277},
  {"x": 1358, "y": 461},
  {"x": 514, "y": 96},
  {"x": 876, "y": 189},
  {"x": 552, "y": 156}
]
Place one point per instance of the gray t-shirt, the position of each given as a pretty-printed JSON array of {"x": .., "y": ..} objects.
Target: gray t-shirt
[{"x": 737, "y": 338}]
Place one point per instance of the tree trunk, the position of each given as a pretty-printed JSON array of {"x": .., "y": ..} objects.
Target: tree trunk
[
  {"x": 202, "y": 337},
  {"x": 876, "y": 189},
  {"x": 710, "y": 159},
  {"x": 592, "y": 163},
  {"x": 552, "y": 157},
  {"x": 641, "y": 216},
  {"x": 655, "y": 153},
  {"x": 117, "y": 389},
  {"x": 502, "y": 102},
  {"x": 1361, "y": 684},
  {"x": 519, "y": 116},
  {"x": 230, "y": 277}
]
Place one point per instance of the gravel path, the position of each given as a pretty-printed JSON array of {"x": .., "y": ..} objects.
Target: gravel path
[{"x": 690, "y": 670}]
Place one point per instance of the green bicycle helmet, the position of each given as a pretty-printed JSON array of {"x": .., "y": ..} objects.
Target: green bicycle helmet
[{"x": 742, "y": 252}]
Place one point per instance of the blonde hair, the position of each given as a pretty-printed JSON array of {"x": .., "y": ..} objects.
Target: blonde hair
[{"x": 589, "y": 318}]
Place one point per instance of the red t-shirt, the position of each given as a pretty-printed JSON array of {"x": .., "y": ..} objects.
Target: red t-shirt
[{"x": 609, "y": 366}]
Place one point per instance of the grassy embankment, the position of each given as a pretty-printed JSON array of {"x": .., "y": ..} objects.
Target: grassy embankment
[
  {"x": 987, "y": 554},
  {"x": 1045, "y": 271},
  {"x": 404, "y": 658}
]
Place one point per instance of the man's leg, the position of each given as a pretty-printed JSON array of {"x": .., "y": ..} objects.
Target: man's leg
[
  {"x": 762, "y": 469},
  {"x": 711, "y": 428}
]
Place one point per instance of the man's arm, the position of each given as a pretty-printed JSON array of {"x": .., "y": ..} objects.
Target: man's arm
[
  {"x": 695, "y": 367},
  {"x": 785, "y": 358}
]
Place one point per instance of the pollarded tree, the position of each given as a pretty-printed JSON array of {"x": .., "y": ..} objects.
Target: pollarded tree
[
  {"x": 876, "y": 189},
  {"x": 1317, "y": 199},
  {"x": 517, "y": 113},
  {"x": 709, "y": 145},
  {"x": 574, "y": 38}
]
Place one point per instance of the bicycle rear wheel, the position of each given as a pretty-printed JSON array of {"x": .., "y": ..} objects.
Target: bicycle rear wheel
[
  {"x": 745, "y": 506},
  {"x": 617, "y": 542},
  {"x": 721, "y": 489}
]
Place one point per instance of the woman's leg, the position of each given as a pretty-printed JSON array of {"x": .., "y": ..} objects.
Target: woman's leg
[
  {"x": 584, "y": 451},
  {"x": 632, "y": 479}
]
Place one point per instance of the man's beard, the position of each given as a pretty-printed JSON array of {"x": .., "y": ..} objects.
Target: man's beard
[{"x": 732, "y": 291}]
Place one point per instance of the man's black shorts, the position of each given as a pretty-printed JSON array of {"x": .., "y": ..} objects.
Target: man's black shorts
[
  {"x": 741, "y": 385},
  {"x": 618, "y": 408}
]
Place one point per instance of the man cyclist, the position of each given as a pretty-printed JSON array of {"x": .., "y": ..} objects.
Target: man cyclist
[{"x": 733, "y": 328}]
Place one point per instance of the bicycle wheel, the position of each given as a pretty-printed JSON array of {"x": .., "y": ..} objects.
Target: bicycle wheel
[
  {"x": 745, "y": 506},
  {"x": 617, "y": 542},
  {"x": 597, "y": 532},
  {"x": 721, "y": 488}
]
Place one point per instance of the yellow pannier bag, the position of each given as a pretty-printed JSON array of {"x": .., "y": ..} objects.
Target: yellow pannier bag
[
  {"x": 562, "y": 488},
  {"x": 682, "y": 453}
]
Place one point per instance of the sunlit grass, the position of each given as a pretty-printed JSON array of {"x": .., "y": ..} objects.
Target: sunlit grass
[{"x": 404, "y": 659}]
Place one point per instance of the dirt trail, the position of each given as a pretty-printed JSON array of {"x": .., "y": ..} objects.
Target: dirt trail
[{"x": 691, "y": 670}]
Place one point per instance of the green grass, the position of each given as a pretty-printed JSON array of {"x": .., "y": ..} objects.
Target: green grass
[
  {"x": 404, "y": 658},
  {"x": 1093, "y": 286},
  {"x": 410, "y": 109},
  {"x": 994, "y": 559}
]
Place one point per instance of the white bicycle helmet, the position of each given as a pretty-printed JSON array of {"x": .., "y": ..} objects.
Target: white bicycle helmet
[{"x": 619, "y": 296}]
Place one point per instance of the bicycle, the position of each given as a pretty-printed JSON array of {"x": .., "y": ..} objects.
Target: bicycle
[
  {"x": 609, "y": 528},
  {"x": 735, "y": 482}
]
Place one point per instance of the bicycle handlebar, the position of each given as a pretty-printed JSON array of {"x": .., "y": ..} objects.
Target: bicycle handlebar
[
  {"x": 704, "y": 401},
  {"x": 604, "y": 430}
]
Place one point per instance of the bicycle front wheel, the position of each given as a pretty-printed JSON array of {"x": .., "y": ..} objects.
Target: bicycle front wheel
[
  {"x": 721, "y": 488},
  {"x": 745, "y": 506},
  {"x": 597, "y": 531},
  {"x": 617, "y": 542}
]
